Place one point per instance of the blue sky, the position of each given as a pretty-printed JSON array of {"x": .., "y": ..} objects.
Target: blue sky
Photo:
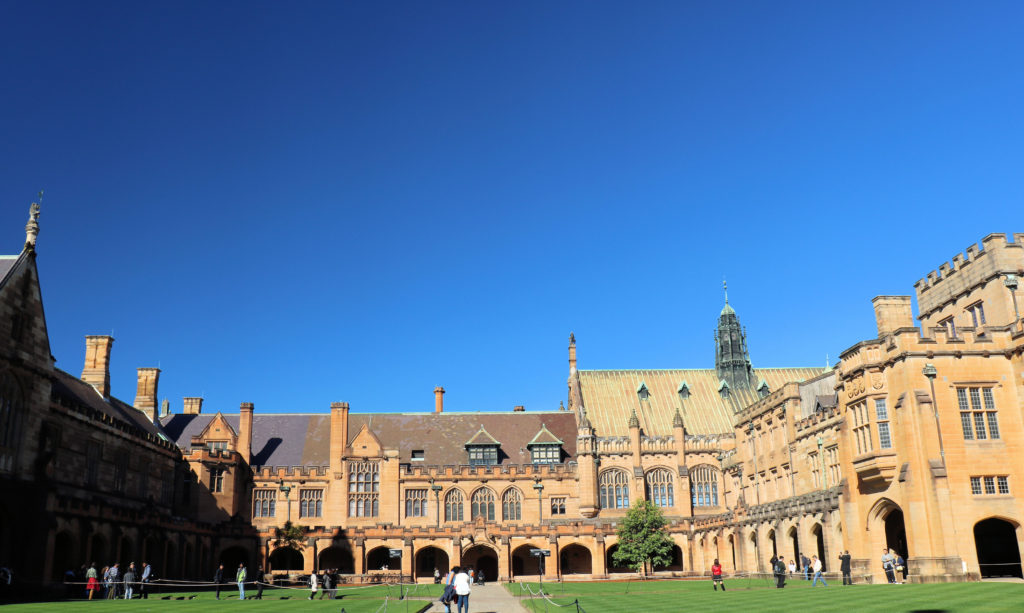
[{"x": 295, "y": 203}]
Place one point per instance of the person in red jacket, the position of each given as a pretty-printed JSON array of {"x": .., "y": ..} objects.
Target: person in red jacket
[{"x": 716, "y": 575}]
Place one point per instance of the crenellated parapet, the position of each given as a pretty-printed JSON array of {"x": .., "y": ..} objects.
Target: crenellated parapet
[
  {"x": 502, "y": 471},
  {"x": 263, "y": 473},
  {"x": 970, "y": 269}
]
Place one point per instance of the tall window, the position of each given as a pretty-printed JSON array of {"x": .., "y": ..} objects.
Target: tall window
[
  {"x": 217, "y": 480},
  {"x": 704, "y": 486},
  {"x": 416, "y": 503},
  {"x": 10, "y": 420},
  {"x": 558, "y": 505},
  {"x": 659, "y": 488},
  {"x": 977, "y": 311},
  {"x": 614, "y": 485},
  {"x": 812, "y": 459},
  {"x": 511, "y": 505},
  {"x": 832, "y": 460},
  {"x": 453, "y": 506},
  {"x": 482, "y": 504},
  {"x": 311, "y": 503},
  {"x": 950, "y": 327},
  {"x": 978, "y": 418},
  {"x": 862, "y": 428},
  {"x": 882, "y": 415},
  {"x": 120, "y": 472},
  {"x": 363, "y": 489},
  {"x": 93, "y": 455},
  {"x": 264, "y": 502}
]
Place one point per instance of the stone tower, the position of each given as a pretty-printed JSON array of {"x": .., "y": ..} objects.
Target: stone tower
[{"x": 732, "y": 361}]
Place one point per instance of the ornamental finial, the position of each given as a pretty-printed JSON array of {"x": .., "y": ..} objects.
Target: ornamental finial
[{"x": 32, "y": 227}]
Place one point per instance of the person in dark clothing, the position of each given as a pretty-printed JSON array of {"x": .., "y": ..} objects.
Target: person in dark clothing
[
  {"x": 805, "y": 564},
  {"x": 844, "y": 567},
  {"x": 326, "y": 584},
  {"x": 218, "y": 578},
  {"x": 259, "y": 583},
  {"x": 780, "y": 572}
]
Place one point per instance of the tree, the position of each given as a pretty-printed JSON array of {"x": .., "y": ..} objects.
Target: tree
[
  {"x": 291, "y": 536},
  {"x": 643, "y": 539}
]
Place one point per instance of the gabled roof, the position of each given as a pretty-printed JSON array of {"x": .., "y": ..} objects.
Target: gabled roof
[
  {"x": 74, "y": 389},
  {"x": 482, "y": 437},
  {"x": 609, "y": 397},
  {"x": 544, "y": 437}
]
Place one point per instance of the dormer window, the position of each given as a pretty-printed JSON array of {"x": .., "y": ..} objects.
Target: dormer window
[
  {"x": 545, "y": 448},
  {"x": 762, "y": 389},
  {"x": 417, "y": 455},
  {"x": 482, "y": 449},
  {"x": 642, "y": 392},
  {"x": 684, "y": 390},
  {"x": 723, "y": 390}
]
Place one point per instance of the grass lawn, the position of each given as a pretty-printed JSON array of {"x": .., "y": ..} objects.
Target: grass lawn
[
  {"x": 361, "y": 600},
  {"x": 755, "y": 595}
]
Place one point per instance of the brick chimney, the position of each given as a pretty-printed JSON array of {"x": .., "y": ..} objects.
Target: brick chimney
[
  {"x": 245, "y": 431},
  {"x": 339, "y": 435},
  {"x": 439, "y": 399},
  {"x": 193, "y": 405},
  {"x": 97, "y": 363},
  {"x": 518, "y": 408},
  {"x": 145, "y": 392},
  {"x": 572, "y": 353}
]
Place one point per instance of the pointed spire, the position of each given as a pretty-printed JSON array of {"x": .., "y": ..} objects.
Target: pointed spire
[
  {"x": 634, "y": 421},
  {"x": 732, "y": 360},
  {"x": 32, "y": 227},
  {"x": 677, "y": 419},
  {"x": 572, "y": 353}
]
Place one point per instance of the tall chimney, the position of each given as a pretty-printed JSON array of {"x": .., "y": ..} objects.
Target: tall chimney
[
  {"x": 193, "y": 405},
  {"x": 97, "y": 363},
  {"x": 145, "y": 392},
  {"x": 438, "y": 399},
  {"x": 245, "y": 431},
  {"x": 892, "y": 313},
  {"x": 572, "y": 353},
  {"x": 339, "y": 435}
]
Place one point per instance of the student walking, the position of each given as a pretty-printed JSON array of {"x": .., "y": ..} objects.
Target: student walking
[
  {"x": 463, "y": 586},
  {"x": 129, "y": 581},
  {"x": 780, "y": 572},
  {"x": 844, "y": 566},
  {"x": 716, "y": 576},
  {"x": 326, "y": 585},
  {"x": 240, "y": 579},
  {"x": 218, "y": 578},
  {"x": 113, "y": 580},
  {"x": 448, "y": 595},
  {"x": 91, "y": 582},
  {"x": 260, "y": 578},
  {"x": 816, "y": 567},
  {"x": 312, "y": 585}
]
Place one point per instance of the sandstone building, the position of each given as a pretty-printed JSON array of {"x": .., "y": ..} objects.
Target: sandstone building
[{"x": 911, "y": 441}]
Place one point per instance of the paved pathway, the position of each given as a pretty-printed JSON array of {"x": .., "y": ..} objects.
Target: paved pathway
[{"x": 490, "y": 598}]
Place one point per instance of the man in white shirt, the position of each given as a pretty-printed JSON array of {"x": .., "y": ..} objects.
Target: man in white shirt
[
  {"x": 816, "y": 567},
  {"x": 462, "y": 589}
]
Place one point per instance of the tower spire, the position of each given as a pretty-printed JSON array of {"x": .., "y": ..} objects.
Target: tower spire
[{"x": 732, "y": 360}]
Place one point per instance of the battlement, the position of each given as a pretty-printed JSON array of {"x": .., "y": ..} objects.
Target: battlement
[
  {"x": 997, "y": 255},
  {"x": 282, "y": 472}
]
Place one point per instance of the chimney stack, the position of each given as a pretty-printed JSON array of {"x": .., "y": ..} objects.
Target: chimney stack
[
  {"x": 145, "y": 392},
  {"x": 245, "y": 431},
  {"x": 892, "y": 313},
  {"x": 518, "y": 408},
  {"x": 339, "y": 435},
  {"x": 193, "y": 405},
  {"x": 97, "y": 363},
  {"x": 439, "y": 399},
  {"x": 572, "y": 353}
]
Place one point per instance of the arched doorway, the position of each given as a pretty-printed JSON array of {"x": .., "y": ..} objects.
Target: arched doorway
[
  {"x": 575, "y": 560},
  {"x": 168, "y": 568},
  {"x": 896, "y": 532},
  {"x": 233, "y": 556},
  {"x": 339, "y": 558},
  {"x": 612, "y": 565},
  {"x": 379, "y": 558},
  {"x": 482, "y": 559},
  {"x": 771, "y": 540},
  {"x": 126, "y": 554},
  {"x": 676, "y": 565},
  {"x": 998, "y": 551},
  {"x": 732, "y": 550},
  {"x": 284, "y": 559},
  {"x": 64, "y": 555},
  {"x": 756, "y": 561},
  {"x": 796, "y": 544},
  {"x": 152, "y": 551},
  {"x": 98, "y": 550},
  {"x": 523, "y": 563},
  {"x": 429, "y": 558},
  {"x": 819, "y": 541}
]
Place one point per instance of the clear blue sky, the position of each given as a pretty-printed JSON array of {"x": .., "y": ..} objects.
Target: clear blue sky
[{"x": 294, "y": 203}]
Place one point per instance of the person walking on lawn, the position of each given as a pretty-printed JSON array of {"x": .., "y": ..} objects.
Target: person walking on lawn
[
  {"x": 716, "y": 576},
  {"x": 816, "y": 567}
]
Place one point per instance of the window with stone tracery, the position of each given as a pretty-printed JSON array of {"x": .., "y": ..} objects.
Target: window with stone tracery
[
  {"x": 659, "y": 487},
  {"x": 363, "y": 489},
  {"x": 614, "y": 486},
  {"x": 482, "y": 504},
  {"x": 511, "y": 505},
  {"x": 11, "y": 409},
  {"x": 453, "y": 506},
  {"x": 704, "y": 486}
]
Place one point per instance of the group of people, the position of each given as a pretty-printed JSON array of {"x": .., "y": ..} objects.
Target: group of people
[
  {"x": 326, "y": 582},
  {"x": 458, "y": 584},
  {"x": 893, "y": 563},
  {"x": 241, "y": 578},
  {"x": 812, "y": 567},
  {"x": 112, "y": 583}
]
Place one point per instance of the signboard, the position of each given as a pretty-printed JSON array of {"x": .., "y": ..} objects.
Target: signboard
[
  {"x": 539, "y": 553},
  {"x": 395, "y": 553}
]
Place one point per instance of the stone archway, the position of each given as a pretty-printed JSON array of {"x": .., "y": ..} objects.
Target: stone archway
[
  {"x": 339, "y": 558},
  {"x": 795, "y": 540},
  {"x": 98, "y": 550},
  {"x": 378, "y": 558},
  {"x": 65, "y": 555},
  {"x": 896, "y": 532},
  {"x": 611, "y": 564},
  {"x": 676, "y": 565},
  {"x": 998, "y": 549},
  {"x": 284, "y": 559},
  {"x": 429, "y": 558},
  {"x": 523, "y": 563},
  {"x": 481, "y": 558},
  {"x": 575, "y": 559}
]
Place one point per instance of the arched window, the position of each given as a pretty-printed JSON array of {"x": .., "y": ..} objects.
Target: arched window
[
  {"x": 11, "y": 406},
  {"x": 511, "y": 505},
  {"x": 363, "y": 489},
  {"x": 614, "y": 489},
  {"x": 659, "y": 488},
  {"x": 482, "y": 504},
  {"x": 453, "y": 506},
  {"x": 704, "y": 486}
]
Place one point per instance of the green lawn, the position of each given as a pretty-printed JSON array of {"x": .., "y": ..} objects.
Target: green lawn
[
  {"x": 756, "y": 595},
  {"x": 362, "y": 600}
]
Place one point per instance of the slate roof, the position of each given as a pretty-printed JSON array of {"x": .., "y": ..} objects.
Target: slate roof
[
  {"x": 304, "y": 439},
  {"x": 7, "y": 263},
  {"x": 73, "y": 389},
  {"x": 482, "y": 437},
  {"x": 544, "y": 437},
  {"x": 610, "y": 397}
]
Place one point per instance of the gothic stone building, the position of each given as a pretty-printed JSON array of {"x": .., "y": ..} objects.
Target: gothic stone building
[{"x": 911, "y": 441}]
